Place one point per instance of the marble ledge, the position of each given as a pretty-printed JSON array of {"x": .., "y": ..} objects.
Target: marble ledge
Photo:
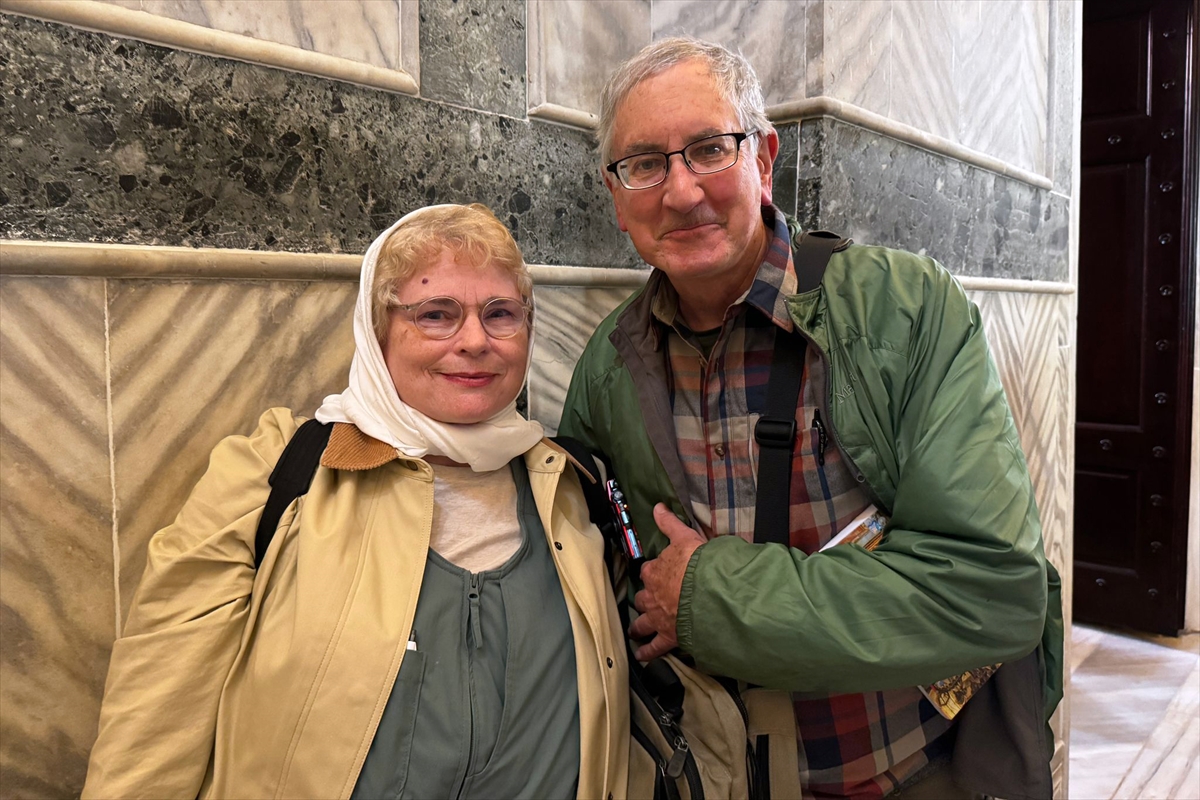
[
  {"x": 825, "y": 106},
  {"x": 81, "y": 259},
  {"x": 120, "y": 21}
]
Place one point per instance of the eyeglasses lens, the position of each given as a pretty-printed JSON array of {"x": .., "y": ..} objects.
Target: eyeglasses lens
[
  {"x": 442, "y": 317},
  {"x": 703, "y": 157}
]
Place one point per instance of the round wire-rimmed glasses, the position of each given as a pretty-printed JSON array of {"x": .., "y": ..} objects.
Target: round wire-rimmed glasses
[
  {"x": 442, "y": 317},
  {"x": 703, "y": 157}
]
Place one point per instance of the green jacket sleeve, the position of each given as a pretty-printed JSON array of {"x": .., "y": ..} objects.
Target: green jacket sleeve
[{"x": 960, "y": 579}]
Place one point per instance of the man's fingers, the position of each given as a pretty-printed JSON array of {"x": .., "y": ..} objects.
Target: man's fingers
[
  {"x": 641, "y": 628},
  {"x": 658, "y": 646},
  {"x": 671, "y": 526}
]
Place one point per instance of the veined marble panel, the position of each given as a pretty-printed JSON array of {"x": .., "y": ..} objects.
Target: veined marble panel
[
  {"x": 1001, "y": 78},
  {"x": 924, "y": 66},
  {"x": 367, "y": 31},
  {"x": 574, "y": 45},
  {"x": 565, "y": 320},
  {"x": 193, "y": 362},
  {"x": 859, "y": 40},
  {"x": 771, "y": 34},
  {"x": 57, "y": 610}
]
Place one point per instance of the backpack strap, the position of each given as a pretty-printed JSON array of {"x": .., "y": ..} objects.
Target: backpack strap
[
  {"x": 290, "y": 479},
  {"x": 775, "y": 431},
  {"x": 592, "y": 481}
]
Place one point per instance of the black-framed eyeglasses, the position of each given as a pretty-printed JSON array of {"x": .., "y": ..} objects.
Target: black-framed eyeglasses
[
  {"x": 442, "y": 317},
  {"x": 703, "y": 157}
]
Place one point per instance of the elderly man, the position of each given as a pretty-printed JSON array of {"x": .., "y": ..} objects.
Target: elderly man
[{"x": 899, "y": 407}]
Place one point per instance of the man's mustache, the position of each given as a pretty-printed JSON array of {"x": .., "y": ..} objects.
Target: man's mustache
[{"x": 691, "y": 221}]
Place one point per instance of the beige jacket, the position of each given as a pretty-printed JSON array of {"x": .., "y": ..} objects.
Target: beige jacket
[{"x": 232, "y": 684}]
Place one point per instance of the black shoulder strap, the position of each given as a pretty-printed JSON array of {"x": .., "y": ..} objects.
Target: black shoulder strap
[
  {"x": 290, "y": 479},
  {"x": 775, "y": 431},
  {"x": 599, "y": 509}
]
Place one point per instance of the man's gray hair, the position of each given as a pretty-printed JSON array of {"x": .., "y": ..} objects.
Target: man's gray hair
[{"x": 734, "y": 77}]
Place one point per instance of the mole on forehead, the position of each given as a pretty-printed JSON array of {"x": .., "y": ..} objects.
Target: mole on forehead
[{"x": 660, "y": 146}]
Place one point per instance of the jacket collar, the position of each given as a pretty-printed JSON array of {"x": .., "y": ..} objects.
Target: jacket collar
[
  {"x": 647, "y": 318},
  {"x": 354, "y": 451},
  {"x": 351, "y": 449}
]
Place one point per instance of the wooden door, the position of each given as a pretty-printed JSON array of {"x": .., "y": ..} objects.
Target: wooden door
[{"x": 1136, "y": 295}]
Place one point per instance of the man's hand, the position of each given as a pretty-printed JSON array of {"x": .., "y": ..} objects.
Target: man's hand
[{"x": 662, "y": 579}]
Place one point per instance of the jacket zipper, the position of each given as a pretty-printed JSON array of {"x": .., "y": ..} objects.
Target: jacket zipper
[
  {"x": 837, "y": 442},
  {"x": 477, "y": 635},
  {"x": 476, "y": 625},
  {"x": 820, "y": 429}
]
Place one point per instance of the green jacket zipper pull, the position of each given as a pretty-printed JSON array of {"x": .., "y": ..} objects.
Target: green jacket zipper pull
[{"x": 819, "y": 427}]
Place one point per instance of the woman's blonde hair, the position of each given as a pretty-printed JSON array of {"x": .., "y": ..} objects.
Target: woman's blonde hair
[{"x": 471, "y": 232}]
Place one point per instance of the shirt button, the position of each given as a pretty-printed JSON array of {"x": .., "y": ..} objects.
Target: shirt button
[
  {"x": 558, "y": 545},
  {"x": 719, "y": 450},
  {"x": 609, "y": 662}
]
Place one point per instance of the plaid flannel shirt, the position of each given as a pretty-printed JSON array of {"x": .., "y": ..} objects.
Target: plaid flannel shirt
[{"x": 861, "y": 745}]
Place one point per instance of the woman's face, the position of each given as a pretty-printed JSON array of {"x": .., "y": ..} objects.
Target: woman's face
[{"x": 470, "y": 376}]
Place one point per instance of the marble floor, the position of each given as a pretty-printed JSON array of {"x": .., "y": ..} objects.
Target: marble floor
[{"x": 1135, "y": 716}]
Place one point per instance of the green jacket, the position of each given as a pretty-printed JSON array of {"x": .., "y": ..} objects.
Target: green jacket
[{"x": 961, "y": 580}]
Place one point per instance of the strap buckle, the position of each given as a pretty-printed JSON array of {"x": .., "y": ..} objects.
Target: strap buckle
[{"x": 775, "y": 433}]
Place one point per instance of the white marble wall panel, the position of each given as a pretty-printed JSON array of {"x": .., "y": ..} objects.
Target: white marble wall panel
[
  {"x": 566, "y": 317},
  {"x": 574, "y": 45},
  {"x": 57, "y": 610},
  {"x": 924, "y": 63},
  {"x": 771, "y": 34},
  {"x": 858, "y": 45},
  {"x": 1001, "y": 78},
  {"x": 193, "y": 362},
  {"x": 972, "y": 72},
  {"x": 367, "y": 31}
]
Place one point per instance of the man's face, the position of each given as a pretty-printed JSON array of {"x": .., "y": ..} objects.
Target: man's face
[{"x": 691, "y": 226}]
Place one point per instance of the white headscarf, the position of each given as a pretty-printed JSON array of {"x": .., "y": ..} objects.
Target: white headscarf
[{"x": 372, "y": 403}]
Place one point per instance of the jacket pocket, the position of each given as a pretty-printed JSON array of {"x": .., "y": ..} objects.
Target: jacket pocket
[
  {"x": 771, "y": 729},
  {"x": 384, "y": 773}
]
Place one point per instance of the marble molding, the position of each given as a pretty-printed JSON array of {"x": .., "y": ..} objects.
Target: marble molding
[
  {"x": 473, "y": 54},
  {"x": 881, "y": 191},
  {"x": 106, "y": 139},
  {"x": 57, "y": 608},
  {"x": 358, "y": 30}
]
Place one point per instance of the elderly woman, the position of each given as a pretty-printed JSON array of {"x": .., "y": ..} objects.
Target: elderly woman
[{"x": 432, "y": 619}]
